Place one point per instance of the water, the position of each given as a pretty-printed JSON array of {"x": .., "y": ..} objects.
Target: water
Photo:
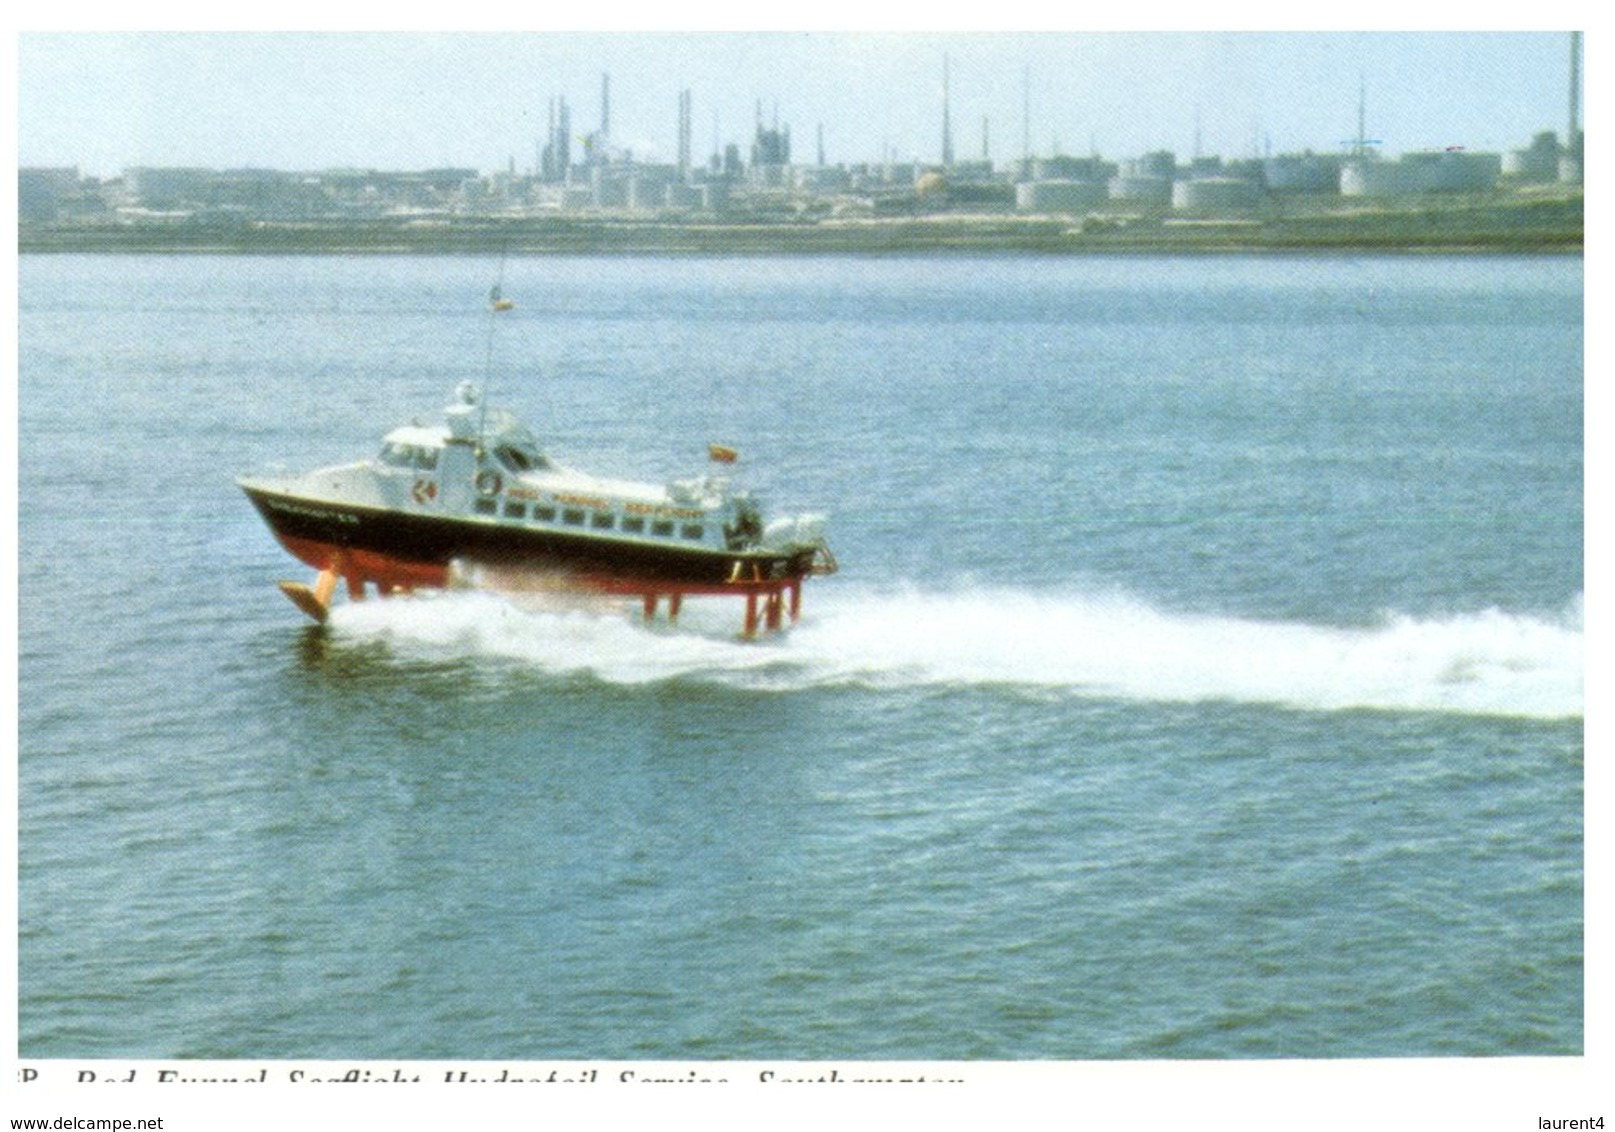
[{"x": 1204, "y": 678}]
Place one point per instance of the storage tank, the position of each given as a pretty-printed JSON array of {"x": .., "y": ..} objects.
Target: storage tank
[
  {"x": 1570, "y": 170},
  {"x": 1452, "y": 171},
  {"x": 1141, "y": 189},
  {"x": 715, "y": 196},
  {"x": 1539, "y": 163},
  {"x": 1059, "y": 196},
  {"x": 1374, "y": 179},
  {"x": 1302, "y": 173},
  {"x": 648, "y": 186},
  {"x": 1160, "y": 163},
  {"x": 1216, "y": 194},
  {"x": 821, "y": 179},
  {"x": 1071, "y": 169},
  {"x": 682, "y": 196}
]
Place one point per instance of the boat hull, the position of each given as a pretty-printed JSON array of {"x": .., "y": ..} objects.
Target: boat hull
[{"x": 404, "y": 550}]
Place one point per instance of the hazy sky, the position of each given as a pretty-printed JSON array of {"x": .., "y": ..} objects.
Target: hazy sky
[{"x": 300, "y": 101}]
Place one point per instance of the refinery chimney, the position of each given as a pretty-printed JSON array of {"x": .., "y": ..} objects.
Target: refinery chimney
[
  {"x": 1570, "y": 163},
  {"x": 685, "y": 129},
  {"x": 1361, "y": 145},
  {"x": 947, "y": 123},
  {"x": 1026, "y": 119},
  {"x": 563, "y": 141}
]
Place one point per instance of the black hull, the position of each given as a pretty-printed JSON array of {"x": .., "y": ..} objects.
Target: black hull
[{"x": 420, "y": 546}]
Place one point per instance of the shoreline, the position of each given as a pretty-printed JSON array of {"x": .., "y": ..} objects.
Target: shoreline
[{"x": 1508, "y": 225}]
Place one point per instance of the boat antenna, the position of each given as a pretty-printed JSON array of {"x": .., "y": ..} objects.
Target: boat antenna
[{"x": 496, "y": 303}]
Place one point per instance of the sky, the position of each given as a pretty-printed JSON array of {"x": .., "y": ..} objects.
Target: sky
[{"x": 106, "y": 101}]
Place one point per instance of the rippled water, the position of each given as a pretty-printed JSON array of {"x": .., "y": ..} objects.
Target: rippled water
[{"x": 1204, "y": 678}]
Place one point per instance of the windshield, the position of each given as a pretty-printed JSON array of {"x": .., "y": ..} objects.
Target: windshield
[
  {"x": 408, "y": 456},
  {"x": 520, "y": 460}
]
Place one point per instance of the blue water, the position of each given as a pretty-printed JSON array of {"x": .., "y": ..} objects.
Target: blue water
[{"x": 1203, "y": 679}]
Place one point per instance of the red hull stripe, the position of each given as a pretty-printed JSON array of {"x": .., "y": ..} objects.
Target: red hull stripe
[
  {"x": 367, "y": 565},
  {"x": 390, "y": 573}
]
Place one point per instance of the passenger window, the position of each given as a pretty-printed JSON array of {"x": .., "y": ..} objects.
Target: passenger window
[
  {"x": 662, "y": 528},
  {"x": 694, "y": 531},
  {"x": 604, "y": 520},
  {"x": 572, "y": 517},
  {"x": 634, "y": 525},
  {"x": 515, "y": 510}
]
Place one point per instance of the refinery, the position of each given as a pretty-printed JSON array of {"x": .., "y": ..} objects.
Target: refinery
[{"x": 584, "y": 192}]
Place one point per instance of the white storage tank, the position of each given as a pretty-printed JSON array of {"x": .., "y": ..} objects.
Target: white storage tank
[
  {"x": 1141, "y": 189},
  {"x": 1161, "y": 163},
  {"x": 1059, "y": 196},
  {"x": 1216, "y": 194},
  {"x": 1374, "y": 179},
  {"x": 1302, "y": 173}
]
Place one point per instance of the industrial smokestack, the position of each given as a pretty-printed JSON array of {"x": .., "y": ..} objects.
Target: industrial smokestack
[
  {"x": 1026, "y": 114},
  {"x": 1575, "y": 86},
  {"x": 605, "y": 105},
  {"x": 685, "y": 128},
  {"x": 563, "y": 141},
  {"x": 1570, "y": 162},
  {"x": 947, "y": 122},
  {"x": 1362, "y": 115}
]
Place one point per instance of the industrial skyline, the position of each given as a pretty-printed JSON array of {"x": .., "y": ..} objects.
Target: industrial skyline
[{"x": 103, "y": 102}]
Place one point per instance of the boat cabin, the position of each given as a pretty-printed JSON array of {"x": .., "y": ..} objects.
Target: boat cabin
[{"x": 507, "y": 478}]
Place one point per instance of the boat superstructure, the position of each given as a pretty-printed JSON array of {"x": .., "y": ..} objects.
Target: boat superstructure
[{"x": 477, "y": 491}]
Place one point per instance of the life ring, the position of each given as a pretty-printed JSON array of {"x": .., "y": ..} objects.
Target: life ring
[{"x": 489, "y": 482}]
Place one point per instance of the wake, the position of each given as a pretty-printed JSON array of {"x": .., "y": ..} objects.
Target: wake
[{"x": 1114, "y": 647}]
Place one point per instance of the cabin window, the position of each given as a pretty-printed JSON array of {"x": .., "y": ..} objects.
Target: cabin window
[
  {"x": 604, "y": 520},
  {"x": 515, "y": 510},
  {"x": 519, "y": 460},
  {"x": 572, "y": 517},
  {"x": 694, "y": 530},
  {"x": 544, "y": 514},
  {"x": 634, "y": 525},
  {"x": 487, "y": 507},
  {"x": 663, "y": 528},
  {"x": 408, "y": 456},
  {"x": 396, "y": 455}
]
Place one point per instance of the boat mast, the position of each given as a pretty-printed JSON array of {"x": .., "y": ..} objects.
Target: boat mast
[{"x": 496, "y": 303}]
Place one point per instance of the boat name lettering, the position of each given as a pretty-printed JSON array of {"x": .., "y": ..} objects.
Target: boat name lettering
[
  {"x": 584, "y": 501},
  {"x": 655, "y": 509},
  {"x": 312, "y": 512},
  {"x": 600, "y": 504}
]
